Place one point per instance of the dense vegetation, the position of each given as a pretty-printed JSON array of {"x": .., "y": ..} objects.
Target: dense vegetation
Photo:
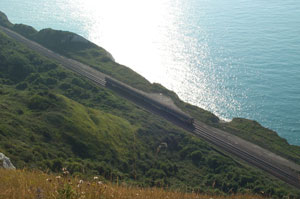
[
  {"x": 20, "y": 184},
  {"x": 52, "y": 118}
]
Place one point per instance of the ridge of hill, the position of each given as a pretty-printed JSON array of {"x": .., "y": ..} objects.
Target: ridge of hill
[{"x": 52, "y": 118}]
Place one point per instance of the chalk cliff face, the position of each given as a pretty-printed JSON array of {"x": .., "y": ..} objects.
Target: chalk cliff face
[{"x": 5, "y": 162}]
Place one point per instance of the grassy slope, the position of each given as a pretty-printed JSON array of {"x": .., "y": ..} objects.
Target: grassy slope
[
  {"x": 32, "y": 185},
  {"x": 52, "y": 117},
  {"x": 46, "y": 123},
  {"x": 97, "y": 57},
  {"x": 90, "y": 55},
  {"x": 256, "y": 134}
]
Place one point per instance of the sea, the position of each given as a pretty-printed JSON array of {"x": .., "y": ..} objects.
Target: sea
[{"x": 235, "y": 58}]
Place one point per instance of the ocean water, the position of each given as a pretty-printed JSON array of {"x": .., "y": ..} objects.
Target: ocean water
[{"x": 236, "y": 58}]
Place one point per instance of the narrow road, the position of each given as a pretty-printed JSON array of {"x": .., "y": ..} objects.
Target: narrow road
[{"x": 249, "y": 152}]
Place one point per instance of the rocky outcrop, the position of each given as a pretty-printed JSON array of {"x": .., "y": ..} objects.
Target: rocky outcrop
[{"x": 5, "y": 162}]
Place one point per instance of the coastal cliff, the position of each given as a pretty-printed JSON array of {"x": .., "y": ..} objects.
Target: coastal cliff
[{"x": 56, "y": 118}]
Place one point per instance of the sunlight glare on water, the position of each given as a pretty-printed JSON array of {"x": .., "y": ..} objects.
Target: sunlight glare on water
[
  {"x": 148, "y": 37},
  {"x": 233, "y": 58},
  {"x": 127, "y": 29},
  {"x": 151, "y": 37}
]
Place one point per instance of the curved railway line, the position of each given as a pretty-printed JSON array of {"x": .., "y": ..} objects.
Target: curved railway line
[{"x": 207, "y": 133}]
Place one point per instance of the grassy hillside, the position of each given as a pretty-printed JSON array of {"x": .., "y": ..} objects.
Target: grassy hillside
[
  {"x": 33, "y": 185},
  {"x": 240, "y": 127},
  {"x": 245, "y": 128},
  {"x": 84, "y": 51},
  {"x": 52, "y": 118},
  {"x": 34, "y": 118}
]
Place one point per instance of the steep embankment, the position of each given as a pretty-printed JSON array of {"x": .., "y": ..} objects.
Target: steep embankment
[
  {"x": 78, "y": 48},
  {"x": 52, "y": 118}
]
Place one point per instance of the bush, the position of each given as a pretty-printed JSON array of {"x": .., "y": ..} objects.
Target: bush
[
  {"x": 50, "y": 81},
  {"x": 156, "y": 174},
  {"x": 67, "y": 192},
  {"x": 57, "y": 165},
  {"x": 26, "y": 156},
  {"x": 196, "y": 156},
  {"x": 19, "y": 68},
  {"x": 38, "y": 102},
  {"x": 25, "y": 30},
  {"x": 216, "y": 162},
  {"x": 65, "y": 86},
  {"x": 22, "y": 86}
]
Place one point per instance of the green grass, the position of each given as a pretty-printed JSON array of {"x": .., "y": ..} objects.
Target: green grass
[{"x": 52, "y": 118}]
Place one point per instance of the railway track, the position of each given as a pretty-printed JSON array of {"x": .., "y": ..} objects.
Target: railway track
[
  {"x": 207, "y": 134},
  {"x": 280, "y": 173}
]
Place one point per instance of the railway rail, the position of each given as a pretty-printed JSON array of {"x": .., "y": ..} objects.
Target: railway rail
[{"x": 287, "y": 175}]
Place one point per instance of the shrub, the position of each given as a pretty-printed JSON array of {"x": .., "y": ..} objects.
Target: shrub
[
  {"x": 22, "y": 86},
  {"x": 50, "y": 81},
  {"x": 196, "y": 156},
  {"x": 19, "y": 68},
  {"x": 56, "y": 165},
  {"x": 38, "y": 102},
  {"x": 66, "y": 192}
]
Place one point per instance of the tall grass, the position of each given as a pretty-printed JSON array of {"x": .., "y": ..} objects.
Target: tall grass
[{"x": 21, "y": 184}]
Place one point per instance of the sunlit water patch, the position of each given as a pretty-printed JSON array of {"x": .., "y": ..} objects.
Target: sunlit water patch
[{"x": 234, "y": 58}]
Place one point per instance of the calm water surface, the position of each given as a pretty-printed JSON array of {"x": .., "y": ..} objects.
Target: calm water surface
[{"x": 236, "y": 58}]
